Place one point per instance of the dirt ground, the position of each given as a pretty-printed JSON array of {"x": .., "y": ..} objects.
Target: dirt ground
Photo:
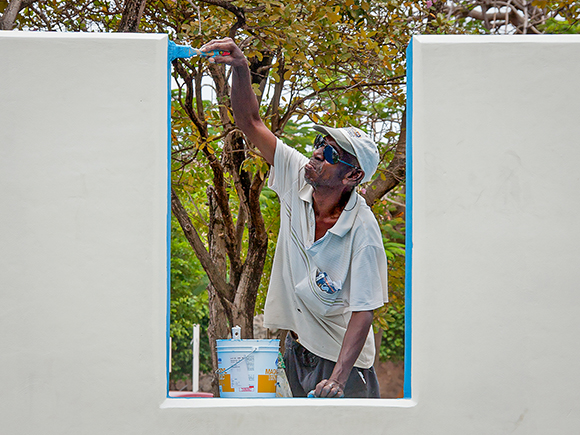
[{"x": 391, "y": 377}]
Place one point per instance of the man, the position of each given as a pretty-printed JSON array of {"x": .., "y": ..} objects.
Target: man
[{"x": 330, "y": 270}]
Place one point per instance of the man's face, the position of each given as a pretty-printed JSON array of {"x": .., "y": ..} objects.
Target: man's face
[{"x": 318, "y": 172}]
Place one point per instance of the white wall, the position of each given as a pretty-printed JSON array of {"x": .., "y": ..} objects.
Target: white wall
[
  {"x": 495, "y": 204},
  {"x": 83, "y": 134},
  {"x": 83, "y": 188}
]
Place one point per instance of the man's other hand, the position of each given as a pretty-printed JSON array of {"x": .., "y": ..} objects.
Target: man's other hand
[{"x": 329, "y": 388}]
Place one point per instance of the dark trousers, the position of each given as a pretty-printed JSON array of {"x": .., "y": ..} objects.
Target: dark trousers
[{"x": 304, "y": 370}]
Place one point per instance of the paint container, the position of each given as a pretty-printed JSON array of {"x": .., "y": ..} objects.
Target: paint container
[{"x": 247, "y": 368}]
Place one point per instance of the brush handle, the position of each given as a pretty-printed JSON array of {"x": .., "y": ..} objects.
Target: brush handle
[
  {"x": 215, "y": 53},
  {"x": 212, "y": 53}
]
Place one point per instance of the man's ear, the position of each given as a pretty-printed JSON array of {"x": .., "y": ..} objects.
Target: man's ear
[{"x": 354, "y": 177}]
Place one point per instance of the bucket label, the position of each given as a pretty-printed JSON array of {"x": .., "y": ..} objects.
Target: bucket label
[
  {"x": 267, "y": 382},
  {"x": 240, "y": 377},
  {"x": 225, "y": 383}
]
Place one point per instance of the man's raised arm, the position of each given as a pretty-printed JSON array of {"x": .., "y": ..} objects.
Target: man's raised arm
[{"x": 244, "y": 102}]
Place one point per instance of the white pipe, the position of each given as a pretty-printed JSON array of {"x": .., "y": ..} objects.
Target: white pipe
[{"x": 195, "y": 360}]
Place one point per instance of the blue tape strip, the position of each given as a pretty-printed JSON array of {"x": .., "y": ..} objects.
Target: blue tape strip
[
  {"x": 174, "y": 51},
  {"x": 170, "y": 57},
  {"x": 409, "y": 226}
]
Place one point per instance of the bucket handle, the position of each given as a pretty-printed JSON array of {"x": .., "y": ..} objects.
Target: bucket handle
[{"x": 219, "y": 371}]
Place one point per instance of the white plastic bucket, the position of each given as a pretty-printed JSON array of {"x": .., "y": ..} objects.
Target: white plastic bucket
[{"x": 247, "y": 368}]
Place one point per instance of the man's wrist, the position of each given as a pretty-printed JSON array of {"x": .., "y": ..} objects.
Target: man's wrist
[{"x": 339, "y": 376}]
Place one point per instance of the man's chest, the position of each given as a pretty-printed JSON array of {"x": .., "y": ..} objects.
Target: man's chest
[{"x": 322, "y": 225}]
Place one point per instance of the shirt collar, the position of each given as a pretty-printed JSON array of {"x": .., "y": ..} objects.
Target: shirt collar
[
  {"x": 346, "y": 219},
  {"x": 305, "y": 193}
]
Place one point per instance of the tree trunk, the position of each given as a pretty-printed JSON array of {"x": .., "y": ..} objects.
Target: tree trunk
[
  {"x": 215, "y": 330},
  {"x": 11, "y": 11},
  {"x": 132, "y": 13},
  {"x": 219, "y": 325}
]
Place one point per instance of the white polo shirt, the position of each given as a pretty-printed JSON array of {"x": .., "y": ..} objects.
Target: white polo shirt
[{"x": 351, "y": 252}]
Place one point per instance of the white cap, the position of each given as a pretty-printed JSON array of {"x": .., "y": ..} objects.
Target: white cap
[{"x": 356, "y": 142}]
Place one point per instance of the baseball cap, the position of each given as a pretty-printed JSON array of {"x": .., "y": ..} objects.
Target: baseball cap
[{"x": 356, "y": 142}]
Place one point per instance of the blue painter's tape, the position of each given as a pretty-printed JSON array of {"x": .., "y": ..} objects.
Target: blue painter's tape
[
  {"x": 409, "y": 226},
  {"x": 171, "y": 53}
]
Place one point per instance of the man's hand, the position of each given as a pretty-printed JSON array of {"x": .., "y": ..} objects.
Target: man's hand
[
  {"x": 234, "y": 58},
  {"x": 329, "y": 388}
]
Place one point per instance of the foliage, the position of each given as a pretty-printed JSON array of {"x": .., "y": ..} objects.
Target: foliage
[
  {"x": 390, "y": 317},
  {"x": 553, "y": 25},
  {"x": 188, "y": 306},
  {"x": 325, "y": 63},
  {"x": 71, "y": 16},
  {"x": 393, "y": 342},
  {"x": 271, "y": 211}
]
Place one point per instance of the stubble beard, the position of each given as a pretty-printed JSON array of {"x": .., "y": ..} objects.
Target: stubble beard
[{"x": 310, "y": 181}]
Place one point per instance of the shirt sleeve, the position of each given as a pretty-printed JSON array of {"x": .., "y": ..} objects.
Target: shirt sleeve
[
  {"x": 368, "y": 279},
  {"x": 286, "y": 169}
]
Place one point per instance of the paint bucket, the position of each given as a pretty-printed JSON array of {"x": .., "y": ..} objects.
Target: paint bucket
[{"x": 247, "y": 368}]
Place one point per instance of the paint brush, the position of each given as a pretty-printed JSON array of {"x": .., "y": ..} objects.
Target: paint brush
[{"x": 183, "y": 51}]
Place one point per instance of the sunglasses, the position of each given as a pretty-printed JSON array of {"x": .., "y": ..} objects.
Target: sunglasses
[{"x": 329, "y": 152}]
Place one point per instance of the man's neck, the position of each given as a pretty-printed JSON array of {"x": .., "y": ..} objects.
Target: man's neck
[{"x": 329, "y": 203}]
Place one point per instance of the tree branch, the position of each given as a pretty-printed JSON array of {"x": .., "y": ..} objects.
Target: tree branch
[
  {"x": 213, "y": 273},
  {"x": 395, "y": 172},
  {"x": 296, "y": 104},
  {"x": 199, "y": 122},
  {"x": 239, "y": 13},
  {"x": 523, "y": 23},
  {"x": 257, "y": 245},
  {"x": 220, "y": 191}
]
